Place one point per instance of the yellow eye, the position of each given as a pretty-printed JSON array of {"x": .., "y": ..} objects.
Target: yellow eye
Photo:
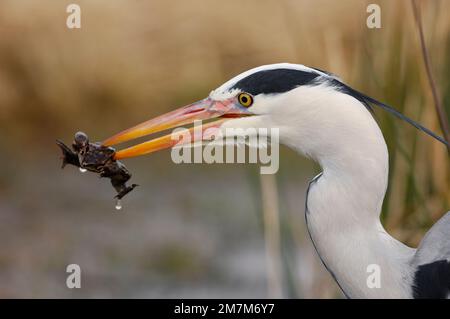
[{"x": 245, "y": 99}]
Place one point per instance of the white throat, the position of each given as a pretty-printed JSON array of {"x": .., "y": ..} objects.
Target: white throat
[{"x": 344, "y": 204}]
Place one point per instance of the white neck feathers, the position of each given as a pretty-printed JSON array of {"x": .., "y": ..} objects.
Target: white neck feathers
[{"x": 345, "y": 202}]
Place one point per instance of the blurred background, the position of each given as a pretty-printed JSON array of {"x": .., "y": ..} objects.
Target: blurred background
[{"x": 194, "y": 230}]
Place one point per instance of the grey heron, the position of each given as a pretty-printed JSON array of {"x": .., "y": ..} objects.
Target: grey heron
[{"x": 326, "y": 120}]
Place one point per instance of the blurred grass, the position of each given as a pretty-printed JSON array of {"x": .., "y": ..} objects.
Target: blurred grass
[{"x": 133, "y": 60}]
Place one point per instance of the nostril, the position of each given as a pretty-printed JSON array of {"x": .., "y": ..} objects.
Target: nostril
[{"x": 194, "y": 111}]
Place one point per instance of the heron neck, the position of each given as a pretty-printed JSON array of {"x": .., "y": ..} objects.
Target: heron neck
[{"x": 343, "y": 208}]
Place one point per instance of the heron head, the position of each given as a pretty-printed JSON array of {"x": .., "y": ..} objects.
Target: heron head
[{"x": 271, "y": 96}]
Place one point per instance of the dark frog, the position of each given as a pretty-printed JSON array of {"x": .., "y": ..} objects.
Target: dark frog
[{"x": 99, "y": 159}]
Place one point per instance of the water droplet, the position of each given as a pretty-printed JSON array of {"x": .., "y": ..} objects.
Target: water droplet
[
  {"x": 118, "y": 204},
  {"x": 83, "y": 170}
]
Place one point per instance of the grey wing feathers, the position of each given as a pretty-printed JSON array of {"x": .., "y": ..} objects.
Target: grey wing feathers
[
  {"x": 432, "y": 262},
  {"x": 436, "y": 243}
]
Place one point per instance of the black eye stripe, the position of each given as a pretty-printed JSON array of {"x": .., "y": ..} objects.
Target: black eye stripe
[{"x": 274, "y": 81}]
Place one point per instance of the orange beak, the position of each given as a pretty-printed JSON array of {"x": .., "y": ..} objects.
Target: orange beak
[{"x": 203, "y": 110}]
